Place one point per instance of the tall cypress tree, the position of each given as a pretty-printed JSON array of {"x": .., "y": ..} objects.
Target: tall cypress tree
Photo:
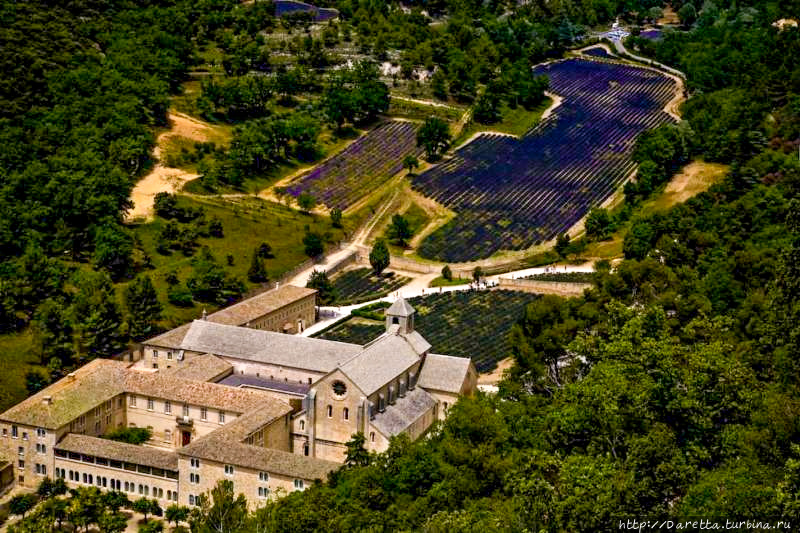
[
  {"x": 257, "y": 273},
  {"x": 144, "y": 309}
]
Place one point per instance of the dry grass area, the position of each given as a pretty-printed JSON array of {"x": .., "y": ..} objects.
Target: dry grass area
[
  {"x": 184, "y": 130},
  {"x": 693, "y": 179},
  {"x": 494, "y": 377}
]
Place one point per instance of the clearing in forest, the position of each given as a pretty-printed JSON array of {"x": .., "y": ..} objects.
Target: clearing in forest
[{"x": 183, "y": 130}]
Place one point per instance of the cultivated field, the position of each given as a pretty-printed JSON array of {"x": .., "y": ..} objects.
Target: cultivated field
[
  {"x": 361, "y": 285},
  {"x": 362, "y": 167},
  {"x": 511, "y": 194},
  {"x": 462, "y": 323}
]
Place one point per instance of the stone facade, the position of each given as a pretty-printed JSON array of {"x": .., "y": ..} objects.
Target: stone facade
[{"x": 268, "y": 411}]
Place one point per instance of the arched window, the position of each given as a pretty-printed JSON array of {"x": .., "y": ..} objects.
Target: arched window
[
  {"x": 302, "y": 425},
  {"x": 395, "y": 320},
  {"x": 346, "y": 413},
  {"x": 330, "y": 411},
  {"x": 372, "y": 436},
  {"x": 445, "y": 406},
  {"x": 381, "y": 403}
]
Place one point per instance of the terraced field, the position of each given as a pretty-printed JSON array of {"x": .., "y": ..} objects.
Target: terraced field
[
  {"x": 510, "y": 194},
  {"x": 462, "y": 323}
]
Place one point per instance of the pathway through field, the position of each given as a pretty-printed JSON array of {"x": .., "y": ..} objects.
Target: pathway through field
[{"x": 163, "y": 178}]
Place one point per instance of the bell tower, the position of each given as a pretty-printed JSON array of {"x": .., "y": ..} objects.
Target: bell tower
[{"x": 401, "y": 314}]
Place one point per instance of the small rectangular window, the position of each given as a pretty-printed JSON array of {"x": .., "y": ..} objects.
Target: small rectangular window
[
  {"x": 14, "y": 432},
  {"x": 185, "y": 410},
  {"x": 167, "y": 407},
  {"x": 221, "y": 417},
  {"x": 263, "y": 476},
  {"x": 132, "y": 400},
  {"x": 155, "y": 354},
  {"x": 228, "y": 470},
  {"x": 298, "y": 484},
  {"x": 150, "y": 404},
  {"x": 203, "y": 413},
  {"x": 169, "y": 355}
]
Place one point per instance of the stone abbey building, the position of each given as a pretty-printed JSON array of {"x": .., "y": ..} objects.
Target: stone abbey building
[{"x": 269, "y": 411}]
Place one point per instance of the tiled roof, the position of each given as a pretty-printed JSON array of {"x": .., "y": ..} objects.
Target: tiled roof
[
  {"x": 318, "y": 355},
  {"x": 443, "y": 373},
  {"x": 225, "y": 446},
  {"x": 259, "y": 305},
  {"x": 244, "y": 380},
  {"x": 400, "y": 307},
  {"x": 71, "y": 396},
  {"x": 380, "y": 362},
  {"x": 205, "y": 367},
  {"x": 169, "y": 339},
  {"x": 211, "y": 395},
  {"x": 119, "y": 451},
  {"x": 417, "y": 342},
  {"x": 407, "y": 410}
]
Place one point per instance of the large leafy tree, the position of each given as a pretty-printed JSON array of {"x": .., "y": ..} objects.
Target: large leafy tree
[
  {"x": 379, "y": 256},
  {"x": 326, "y": 292},
  {"x": 434, "y": 137}
]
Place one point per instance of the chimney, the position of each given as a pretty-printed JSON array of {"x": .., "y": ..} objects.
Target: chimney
[{"x": 47, "y": 400}]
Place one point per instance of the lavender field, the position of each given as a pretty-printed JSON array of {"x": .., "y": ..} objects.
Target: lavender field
[
  {"x": 369, "y": 162},
  {"x": 283, "y": 7},
  {"x": 510, "y": 194}
]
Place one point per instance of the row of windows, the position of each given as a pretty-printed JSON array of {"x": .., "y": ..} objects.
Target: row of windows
[
  {"x": 345, "y": 415},
  {"x": 168, "y": 409},
  {"x": 40, "y": 433},
  {"x": 115, "y": 484},
  {"x": 155, "y": 355}
]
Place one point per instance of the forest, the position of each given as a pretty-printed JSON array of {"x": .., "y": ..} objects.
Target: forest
[{"x": 670, "y": 389}]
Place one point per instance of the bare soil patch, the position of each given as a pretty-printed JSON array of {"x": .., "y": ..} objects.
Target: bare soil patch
[{"x": 163, "y": 178}]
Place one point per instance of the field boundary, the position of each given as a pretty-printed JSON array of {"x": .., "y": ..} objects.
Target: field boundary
[{"x": 559, "y": 288}]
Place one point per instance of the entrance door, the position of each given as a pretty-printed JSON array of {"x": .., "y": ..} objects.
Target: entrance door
[{"x": 186, "y": 438}]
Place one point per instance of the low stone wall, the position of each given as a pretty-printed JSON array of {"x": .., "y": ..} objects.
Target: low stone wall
[{"x": 559, "y": 288}]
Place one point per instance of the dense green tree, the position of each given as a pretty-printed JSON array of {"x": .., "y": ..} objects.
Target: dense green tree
[
  {"x": 176, "y": 513},
  {"x": 265, "y": 251},
  {"x": 379, "y": 256},
  {"x": 209, "y": 282},
  {"x": 326, "y": 292},
  {"x": 598, "y": 224},
  {"x": 54, "y": 331},
  {"x": 447, "y": 273},
  {"x": 21, "y": 504},
  {"x": 257, "y": 273},
  {"x": 35, "y": 380},
  {"x": 336, "y": 217},
  {"x": 399, "y": 230},
  {"x": 113, "y": 248},
  {"x": 410, "y": 163},
  {"x": 96, "y": 316},
  {"x": 312, "y": 241},
  {"x": 129, "y": 435},
  {"x": 434, "y": 137},
  {"x": 306, "y": 201},
  {"x": 144, "y": 308},
  {"x": 223, "y": 510},
  {"x": 356, "y": 454},
  {"x": 112, "y": 522},
  {"x": 562, "y": 244}
]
